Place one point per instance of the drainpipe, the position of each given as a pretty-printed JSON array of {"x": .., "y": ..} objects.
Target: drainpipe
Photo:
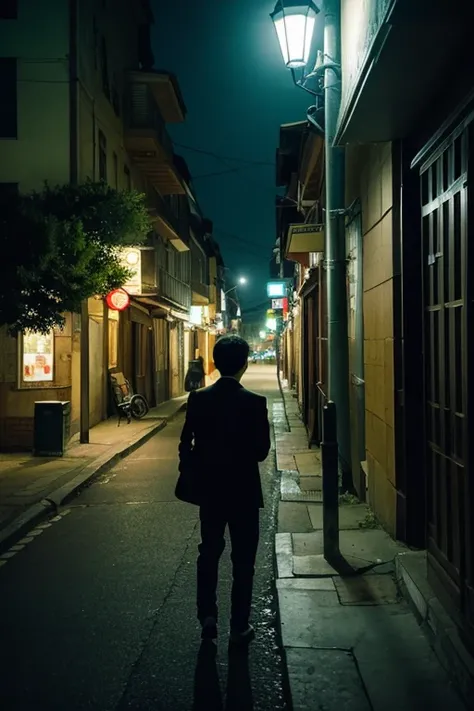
[
  {"x": 74, "y": 177},
  {"x": 338, "y": 355}
]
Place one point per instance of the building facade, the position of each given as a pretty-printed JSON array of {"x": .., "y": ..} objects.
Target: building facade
[
  {"x": 409, "y": 279},
  {"x": 82, "y": 100}
]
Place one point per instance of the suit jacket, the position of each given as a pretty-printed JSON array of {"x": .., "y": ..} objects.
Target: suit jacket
[{"x": 225, "y": 435}]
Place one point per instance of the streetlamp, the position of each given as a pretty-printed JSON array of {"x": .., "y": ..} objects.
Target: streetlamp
[
  {"x": 241, "y": 280},
  {"x": 294, "y": 24}
]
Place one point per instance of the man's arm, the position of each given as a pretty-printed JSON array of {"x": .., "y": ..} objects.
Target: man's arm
[
  {"x": 263, "y": 443},
  {"x": 186, "y": 441}
]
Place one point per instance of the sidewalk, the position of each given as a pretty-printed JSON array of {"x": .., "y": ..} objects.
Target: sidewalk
[
  {"x": 351, "y": 642},
  {"x": 32, "y": 487}
]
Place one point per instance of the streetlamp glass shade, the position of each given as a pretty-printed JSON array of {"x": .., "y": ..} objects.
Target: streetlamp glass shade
[{"x": 294, "y": 24}]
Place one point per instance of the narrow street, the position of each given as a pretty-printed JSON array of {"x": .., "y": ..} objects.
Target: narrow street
[{"x": 98, "y": 607}]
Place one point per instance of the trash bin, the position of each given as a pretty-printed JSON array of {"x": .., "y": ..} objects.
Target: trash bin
[{"x": 51, "y": 428}]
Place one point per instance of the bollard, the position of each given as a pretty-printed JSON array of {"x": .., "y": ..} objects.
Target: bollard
[{"x": 329, "y": 456}]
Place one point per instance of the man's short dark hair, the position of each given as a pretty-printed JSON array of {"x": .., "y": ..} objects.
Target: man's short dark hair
[{"x": 231, "y": 354}]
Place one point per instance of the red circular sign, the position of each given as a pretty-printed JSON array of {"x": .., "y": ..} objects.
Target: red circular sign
[{"x": 118, "y": 300}]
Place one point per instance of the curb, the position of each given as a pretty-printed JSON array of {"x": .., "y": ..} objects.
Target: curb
[{"x": 35, "y": 513}]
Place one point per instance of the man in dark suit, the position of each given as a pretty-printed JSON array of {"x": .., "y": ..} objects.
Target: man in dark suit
[{"x": 225, "y": 435}]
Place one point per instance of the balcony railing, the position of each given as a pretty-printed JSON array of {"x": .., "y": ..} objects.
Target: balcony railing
[
  {"x": 199, "y": 288},
  {"x": 173, "y": 289},
  {"x": 158, "y": 206},
  {"x": 143, "y": 114}
]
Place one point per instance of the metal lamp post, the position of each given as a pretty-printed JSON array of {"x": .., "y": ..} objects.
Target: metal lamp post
[{"x": 294, "y": 22}]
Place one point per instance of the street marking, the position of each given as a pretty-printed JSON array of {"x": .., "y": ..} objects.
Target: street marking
[{"x": 32, "y": 535}]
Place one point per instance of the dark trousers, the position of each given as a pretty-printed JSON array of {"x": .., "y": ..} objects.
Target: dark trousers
[{"x": 244, "y": 534}]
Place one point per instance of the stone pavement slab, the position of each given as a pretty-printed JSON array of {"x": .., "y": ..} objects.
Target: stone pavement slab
[
  {"x": 367, "y": 590},
  {"x": 326, "y": 679},
  {"x": 309, "y": 463},
  {"x": 397, "y": 666},
  {"x": 294, "y": 517},
  {"x": 373, "y": 546},
  {"x": 350, "y": 517}
]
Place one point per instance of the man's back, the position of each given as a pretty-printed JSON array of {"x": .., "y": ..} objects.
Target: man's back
[
  {"x": 229, "y": 427},
  {"x": 225, "y": 435}
]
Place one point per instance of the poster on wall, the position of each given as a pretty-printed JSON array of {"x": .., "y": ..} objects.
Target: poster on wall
[{"x": 38, "y": 357}]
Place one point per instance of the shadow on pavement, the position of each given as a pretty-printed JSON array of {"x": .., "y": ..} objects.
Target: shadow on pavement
[{"x": 207, "y": 691}]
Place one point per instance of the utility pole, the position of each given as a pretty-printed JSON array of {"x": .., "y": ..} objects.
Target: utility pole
[{"x": 338, "y": 347}]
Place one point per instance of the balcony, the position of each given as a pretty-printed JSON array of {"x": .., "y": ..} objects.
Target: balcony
[
  {"x": 174, "y": 290},
  {"x": 200, "y": 293},
  {"x": 165, "y": 222},
  {"x": 166, "y": 92},
  {"x": 148, "y": 143}
]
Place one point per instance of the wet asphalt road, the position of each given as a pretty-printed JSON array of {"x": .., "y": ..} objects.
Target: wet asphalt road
[{"x": 98, "y": 610}]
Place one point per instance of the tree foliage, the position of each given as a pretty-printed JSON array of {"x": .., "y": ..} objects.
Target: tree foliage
[{"x": 62, "y": 245}]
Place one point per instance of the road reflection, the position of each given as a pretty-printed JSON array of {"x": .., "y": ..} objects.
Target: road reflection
[{"x": 207, "y": 690}]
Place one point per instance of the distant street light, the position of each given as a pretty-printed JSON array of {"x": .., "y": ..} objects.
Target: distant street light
[
  {"x": 263, "y": 335},
  {"x": 241, "y": 280}
]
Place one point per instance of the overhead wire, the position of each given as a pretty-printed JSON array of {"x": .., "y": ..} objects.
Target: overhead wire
[{"x": 221, "y": 157}]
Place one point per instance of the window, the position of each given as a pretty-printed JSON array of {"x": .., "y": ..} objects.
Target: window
[
  {"x": 37, "y": 364},
  {"x": 128, "y": 180},
  {"x": 115, "y": 159},
  {"x": 8, "y": 98},
  {"x": 7, "y": 192},
  {"x": 8, "y": 9},
  {"x": 102, "y": 156},
  {"x": 105, "y": 68}
]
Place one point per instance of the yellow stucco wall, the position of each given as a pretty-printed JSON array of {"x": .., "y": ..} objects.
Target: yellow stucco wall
[
  {"x": 17, "y": 399},
  {"x": 369, "y": 178},
  {"x": 42, "y": 96}
]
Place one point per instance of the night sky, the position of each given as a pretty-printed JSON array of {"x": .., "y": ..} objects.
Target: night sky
[{"x": 237, "y": 92}]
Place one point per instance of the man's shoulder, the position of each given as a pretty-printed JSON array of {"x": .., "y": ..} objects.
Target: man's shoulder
[{"x": 261, "y": 399}]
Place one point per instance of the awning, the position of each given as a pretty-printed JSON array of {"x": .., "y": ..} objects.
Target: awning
[
  {"x": 305, "y": 238},
  {"x": 399, "y": 55}
]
